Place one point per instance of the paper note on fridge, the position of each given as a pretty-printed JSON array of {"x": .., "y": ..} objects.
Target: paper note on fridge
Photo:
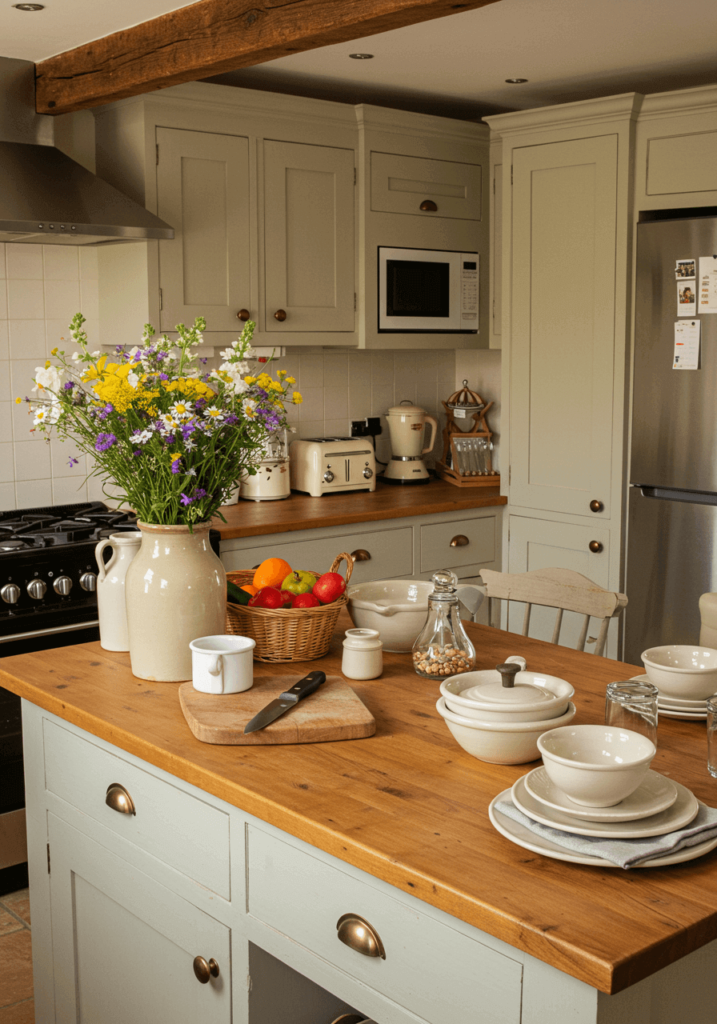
[
  {"x": 687, "y": 345},
  {"x": 686, "y": 298},
  {"x": 708, "y": 284}
]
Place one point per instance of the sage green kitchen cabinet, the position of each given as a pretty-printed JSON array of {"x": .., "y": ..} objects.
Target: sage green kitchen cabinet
[
  {"x": 203, "y": 192},
  {"x": 309, "y": 263}
]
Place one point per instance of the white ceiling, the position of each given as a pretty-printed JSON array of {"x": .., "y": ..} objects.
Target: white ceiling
[{"x": 568, "y": 49}]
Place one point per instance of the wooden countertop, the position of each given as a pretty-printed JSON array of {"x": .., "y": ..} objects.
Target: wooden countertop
[
  {"x": 409, "y": 806},
  {"x": 301, "y": 512}
]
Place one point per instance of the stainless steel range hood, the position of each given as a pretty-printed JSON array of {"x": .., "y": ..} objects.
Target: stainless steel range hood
[{"x": 45, "y": 197}]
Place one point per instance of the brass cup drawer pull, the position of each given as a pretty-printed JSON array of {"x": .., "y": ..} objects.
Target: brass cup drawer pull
[
  {"x": 428, "y": 206},
  {"x": 361, "y": 555},
  {"x": 595, "y": 546},
  {"x": 461, "y": 541},
  {"x": 119, "y": 799},
  {"x": 204, "y": 970},
  {"x": 355, "y": 932}
]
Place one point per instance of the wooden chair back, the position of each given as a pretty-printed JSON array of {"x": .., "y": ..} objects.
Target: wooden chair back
[{"x": 562, "y": 589}]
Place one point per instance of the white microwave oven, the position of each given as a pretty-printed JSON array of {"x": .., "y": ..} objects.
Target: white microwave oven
[{"x": 427, "y": 291}]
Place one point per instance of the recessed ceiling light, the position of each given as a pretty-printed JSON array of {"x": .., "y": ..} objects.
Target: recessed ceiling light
[
  {"x": 515, "y": 81},
  {"x": 361, "y": 56},
  {"x": 29, "y": 7}
]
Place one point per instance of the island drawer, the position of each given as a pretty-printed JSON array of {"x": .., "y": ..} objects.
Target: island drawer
[
  {"x": 452, "y": 545},
  {"x": 303, "y": 897},
  {"x": 179, "y": 829},
  {"x": 390, "y": 553}
]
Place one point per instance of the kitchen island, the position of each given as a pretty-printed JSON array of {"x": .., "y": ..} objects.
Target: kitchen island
[{"x": 279, "y": 842}]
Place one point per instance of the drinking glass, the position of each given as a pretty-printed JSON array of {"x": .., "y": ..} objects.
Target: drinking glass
[
  {"x": 633, "y": 705},
  {"x": 712, "y": 736}
]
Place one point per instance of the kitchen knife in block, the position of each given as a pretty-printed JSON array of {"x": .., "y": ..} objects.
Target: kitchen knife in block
[{"x": 334, "y": 712}]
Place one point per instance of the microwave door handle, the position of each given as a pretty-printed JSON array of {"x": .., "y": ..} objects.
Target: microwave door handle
[{"x": 434, "y": 428}]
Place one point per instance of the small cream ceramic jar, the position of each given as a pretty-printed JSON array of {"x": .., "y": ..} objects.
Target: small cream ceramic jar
[{"x": 363, "y": 654}]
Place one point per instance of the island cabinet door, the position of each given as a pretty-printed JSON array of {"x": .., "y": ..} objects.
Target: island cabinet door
[
  {"x": 124, "y": 946},
  {"x": 203, "y": 192},
  {"x": 563, "y": 309},
  {"x": 309, "y": 255}
]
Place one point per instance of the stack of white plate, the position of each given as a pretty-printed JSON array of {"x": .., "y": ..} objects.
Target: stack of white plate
[{"x": 677, "y": 707}]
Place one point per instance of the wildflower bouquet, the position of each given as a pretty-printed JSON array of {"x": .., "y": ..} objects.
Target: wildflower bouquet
[{"x": 172, "y": 438}]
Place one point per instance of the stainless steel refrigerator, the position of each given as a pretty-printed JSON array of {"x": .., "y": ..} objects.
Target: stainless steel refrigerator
[{"x": 672, "y": 515}]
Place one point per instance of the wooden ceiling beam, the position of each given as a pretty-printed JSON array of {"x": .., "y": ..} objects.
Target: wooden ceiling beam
[{"x": 213, "y": 36}]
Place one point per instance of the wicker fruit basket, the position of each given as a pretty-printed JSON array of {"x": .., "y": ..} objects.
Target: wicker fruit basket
[{"x": 287, "y": 634}]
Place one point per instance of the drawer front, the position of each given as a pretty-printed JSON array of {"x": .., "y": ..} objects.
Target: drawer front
[
  {"x": 180, "y": 830},
  {"x": 430, "y": 969},
  {"x": 390, "y": 553},
  {"x": 437, "y": 551},
  {"x": 399, "y": 184},
  {"x": 667, "y": 159}
]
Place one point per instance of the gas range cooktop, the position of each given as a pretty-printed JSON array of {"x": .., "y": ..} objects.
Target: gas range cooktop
[{"x": 58, "y": 527}]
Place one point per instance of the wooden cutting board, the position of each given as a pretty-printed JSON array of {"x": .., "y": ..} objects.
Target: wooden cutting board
[{"x": 333, "y": 712}]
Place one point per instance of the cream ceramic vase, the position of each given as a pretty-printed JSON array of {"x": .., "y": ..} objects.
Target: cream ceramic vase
[
  {"x": 111, "y": 608},
  {"x": 176, "y": 591}
]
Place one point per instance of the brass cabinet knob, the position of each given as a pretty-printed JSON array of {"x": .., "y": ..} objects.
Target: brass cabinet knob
[
  {"x": 204, "y": 971},
  {"x": 596, "y": 506},
  {"x": 280, "y": 314},
  {"x": 361, "y": 555},
  {"x": 119, "y": 799},
  {"x": 595, "y": 546},
  {"x": 243, "y": 314},
  {"x": 460, "y": 541},
  {"x": 428, "y": 205},
  {"x": 355, "y": 932}
]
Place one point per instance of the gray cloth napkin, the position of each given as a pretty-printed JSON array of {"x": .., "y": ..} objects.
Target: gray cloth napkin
[{"x": 625, "y": 853}]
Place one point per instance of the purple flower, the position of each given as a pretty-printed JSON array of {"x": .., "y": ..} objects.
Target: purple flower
[
  {"x": 231, "y": 418},
  {"x": 137, "y": 357},
  {"x": 118, "y": 349},
  {"x": 200, "y": 403},
  {"x": 72, "y": 462},
  {"x": 104, "y": 441},
  {"x": 138, "y": 452},
  {"x": 185, "y": 500},
  {"x": 199, "y": 492},
  {"x": 203, "y": 361},
  {"x": 69, "y": 385},
  {"x": 163, "y": 376},
  {"x": 161, "y": 356},
  {"x": 104, "y": 413},
  {"x": 176, "y": 468}
]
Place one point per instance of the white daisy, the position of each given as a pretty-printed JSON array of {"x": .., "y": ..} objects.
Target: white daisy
[
  {"x": 181, "y": 410},
  {"x": 212, "y": 413}
]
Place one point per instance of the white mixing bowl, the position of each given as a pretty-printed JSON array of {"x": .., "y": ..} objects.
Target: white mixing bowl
[
  {"x": 500, "y": 742},
  {"x": 396, "y": 608},
  {"x": 681, "y": 670}
]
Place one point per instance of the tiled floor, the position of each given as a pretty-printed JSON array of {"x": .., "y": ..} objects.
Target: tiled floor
[{"x": 16, "y": 1003}]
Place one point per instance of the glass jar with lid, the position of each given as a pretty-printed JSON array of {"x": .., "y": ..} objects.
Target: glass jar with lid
[{"x": 442, "y": 647}]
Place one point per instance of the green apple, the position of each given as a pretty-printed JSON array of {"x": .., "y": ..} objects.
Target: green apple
[{"x": 298, "y": 582}]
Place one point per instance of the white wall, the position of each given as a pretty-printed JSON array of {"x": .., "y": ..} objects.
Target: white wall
[{"x": 41, "y": 288}]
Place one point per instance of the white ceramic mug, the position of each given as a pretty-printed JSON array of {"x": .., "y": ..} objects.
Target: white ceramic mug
[{"x": 222, "y": 664}]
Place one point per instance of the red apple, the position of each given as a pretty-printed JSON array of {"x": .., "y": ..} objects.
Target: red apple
[
  {"x": 305, "y": 601},
  {"x": 267, "y": 597},
  {"x": 329, "y": 587},
  {"x": 286, "y": 598}
]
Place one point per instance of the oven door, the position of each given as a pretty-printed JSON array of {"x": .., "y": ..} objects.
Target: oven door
[{"x": 419, "y": 291}]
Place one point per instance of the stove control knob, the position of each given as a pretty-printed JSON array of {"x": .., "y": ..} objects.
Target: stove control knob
[
  {"x": 368, "y": 473},
  {"x": 36, "y": 589},
  {"x": 328, "y": 476},
  {"x": 10, "y": 593},
  {"x": 62, "y": 585},
  {"x": 88, "y": 581}
]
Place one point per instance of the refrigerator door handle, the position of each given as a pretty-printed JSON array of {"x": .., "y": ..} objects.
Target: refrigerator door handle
[{"x": 672, "y": 494}]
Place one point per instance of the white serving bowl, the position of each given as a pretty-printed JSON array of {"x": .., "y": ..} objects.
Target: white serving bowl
[
  {"x": 681, "y": 670},
  {"x": 546, "y": 697},
  {"x": 499, "y": 742},
  {"x": 596, "y": 765},
  {"x": 396, "y": 608}
]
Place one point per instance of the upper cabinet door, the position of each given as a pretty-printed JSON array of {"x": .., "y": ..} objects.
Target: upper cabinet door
[
  {"x": 309, "y": 253},
  {"x": 563, "y": 324},
  {"x": 203, "y": 192}
]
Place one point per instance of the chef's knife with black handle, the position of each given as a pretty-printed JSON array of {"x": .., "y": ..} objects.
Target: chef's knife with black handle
[{"x": 286, "y": 701}]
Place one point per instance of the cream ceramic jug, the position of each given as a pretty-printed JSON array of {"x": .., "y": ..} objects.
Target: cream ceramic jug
[
  {"x": 405, "y": 423},
  {"x": 110, "y": 588}
]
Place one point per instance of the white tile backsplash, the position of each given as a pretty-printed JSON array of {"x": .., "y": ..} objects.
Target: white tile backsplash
[
  {"x": 24, "y": 262},
  {"x": 61, "y": 262},
  {"x": 25, "y": 299},
  {"x": 27, "y": 339}
]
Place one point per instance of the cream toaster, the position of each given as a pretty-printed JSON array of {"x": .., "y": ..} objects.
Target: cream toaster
[{"x": 323, "y": 465}]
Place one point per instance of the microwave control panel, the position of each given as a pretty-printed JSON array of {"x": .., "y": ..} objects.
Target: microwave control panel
[{"x": 469, "y": 291}]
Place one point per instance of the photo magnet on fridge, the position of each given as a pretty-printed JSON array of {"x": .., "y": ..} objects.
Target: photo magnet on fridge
[
  {"x": 686, "y": 298},
  {"x": 685, "y": 269}
]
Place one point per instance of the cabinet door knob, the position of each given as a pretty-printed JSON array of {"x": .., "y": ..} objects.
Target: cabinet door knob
[
  {"x": 204, "y": 971},
  {"x": 243, "y": 314},
  {"x": 280, "y": 314},
  {"x": 595, "y": 546},
  {"x": 361, "y": 555},
  {"x": 355, "y": 932},
  {"x": 460, "y": 541},
  {"x": 596, "y": 506},
  {"x": 428, "y": 205},
  {"x": 119, "y": 799}
]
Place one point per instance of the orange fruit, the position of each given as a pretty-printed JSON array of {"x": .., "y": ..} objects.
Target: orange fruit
[
  {"x": 271, "y": 573},
  {"x": 250, "y": 589}
]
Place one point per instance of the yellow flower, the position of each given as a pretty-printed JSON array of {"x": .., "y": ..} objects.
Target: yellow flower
[
  {"x": 275, "y": 385},
  {"x": 297, "y": 399},
  {"x": 18, "y": 401},
  {"x": 250, "y": 380},
  {"x": 54, "y": 351},
  {"x": 264, "y": 380},
  {"x": 281, "y": 374},
  {"x": 175, "y": 456},
  {"x": 47, "y": 363},
  {"x": 291, "y": 380}
]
